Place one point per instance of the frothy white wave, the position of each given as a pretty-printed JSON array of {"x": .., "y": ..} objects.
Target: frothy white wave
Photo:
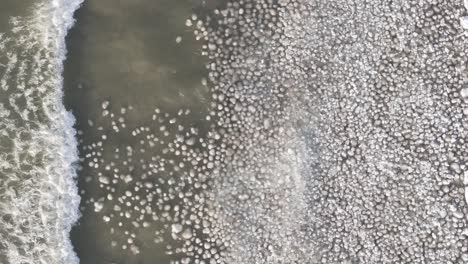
[{"x": 38, "y": 197}]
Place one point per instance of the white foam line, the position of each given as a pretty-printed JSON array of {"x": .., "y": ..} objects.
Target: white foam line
[
  {"x": 48, "y": 204},
  {"x": 63, "y": 20}
]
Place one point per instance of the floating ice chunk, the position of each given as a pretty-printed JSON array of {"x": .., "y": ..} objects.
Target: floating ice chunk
[
  {"x": 465, "y": 178},
  {"x": 455, "y": 166},
  {"x": 243, "y": 197},
  {"x": 267, "y": 123},
  {"x": 210, "y": 165},
  {"x": 134, "y": 249},
  {"x": 237, "y": 108},
  {"x": 211, "y": 46},
  {"x": 178, "y": 39},
  {"x": 187, "y": 234},
  {"x": 104, "y": 105},
  {"x": 464, "y": 22},
  {"x": 104, "y": 180},
  {"x": 464, "y": 92},
  {"x": 176, "y": 228},
  {"x": 98, "y": 206},
  {"x": 128, "y": 178},
  {"x": 190, "y": 141},
  {"x": 459, "y": 214},
  {"x": 465, "y": 232},
  {"x": 443, "y": 213}
]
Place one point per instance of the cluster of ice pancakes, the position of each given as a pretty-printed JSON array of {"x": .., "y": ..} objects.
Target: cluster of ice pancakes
[{"x": 336, "y": 134}]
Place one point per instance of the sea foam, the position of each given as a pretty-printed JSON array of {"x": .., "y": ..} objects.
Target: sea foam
[{"x": 38, "y": 195}]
